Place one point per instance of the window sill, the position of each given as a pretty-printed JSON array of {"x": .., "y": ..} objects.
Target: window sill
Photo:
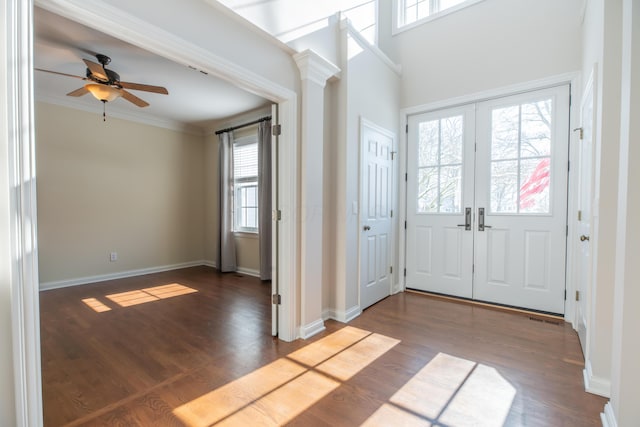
[{"x": 246, "y": 234}]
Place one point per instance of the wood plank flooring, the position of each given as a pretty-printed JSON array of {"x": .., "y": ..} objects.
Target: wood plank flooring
[{"x": 192, "y": 347}]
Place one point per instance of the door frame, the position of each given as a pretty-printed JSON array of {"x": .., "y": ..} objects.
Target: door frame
[
  {"x": 19, "y": 135},
  {"x": 573, "y": 79},
  {"x": 393, "y": 202}
]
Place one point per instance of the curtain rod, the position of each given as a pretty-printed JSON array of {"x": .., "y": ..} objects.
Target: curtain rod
[{"x": 263, "y": 119}]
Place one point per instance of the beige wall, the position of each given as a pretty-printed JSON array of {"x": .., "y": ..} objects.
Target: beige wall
[{"x": 115, "y": 186}]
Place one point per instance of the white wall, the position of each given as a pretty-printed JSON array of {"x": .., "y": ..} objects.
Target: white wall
[
  {"x": 626, "y": 346},
  {"x": 115, "y": 186},
  {"x": 494, "y": 43},
  {"x": 368, "y": 89},
  {"x": 602, "y": 38},
  {"x": 7, "y": 403}
]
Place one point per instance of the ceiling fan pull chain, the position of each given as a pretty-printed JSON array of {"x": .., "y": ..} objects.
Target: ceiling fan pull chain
[{"x": 104, "y": 111}]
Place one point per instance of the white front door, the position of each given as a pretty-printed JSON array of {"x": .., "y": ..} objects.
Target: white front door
[
  {"x": 376, "y": 169},
  {"x": 439, "y": 212},
  {"x": 585, "y": 177},
  {"x": 508, "y": 166}
]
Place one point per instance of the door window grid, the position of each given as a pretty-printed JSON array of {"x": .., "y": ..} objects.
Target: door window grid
[
  {"x": 521, "y": 158},
  {"x": 245, "y": 177},
  {"x": 440, "y": 166}
]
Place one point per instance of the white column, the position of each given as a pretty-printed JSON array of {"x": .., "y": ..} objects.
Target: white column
[
  {"x": 623, "y": 410},
  {"x": 314, "y": 72}
]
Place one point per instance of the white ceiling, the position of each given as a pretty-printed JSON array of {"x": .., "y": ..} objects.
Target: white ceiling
[{"x": 195, "y": 100}]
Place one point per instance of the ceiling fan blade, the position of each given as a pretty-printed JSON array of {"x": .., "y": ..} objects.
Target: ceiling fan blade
[
  {"x": 146, "y": 88},
  {"x": 134, "y": 99},
  {"x": 78, "y": 92},
  {"x": 61, "y": 74},
  {"x": 97, "y": 70}
]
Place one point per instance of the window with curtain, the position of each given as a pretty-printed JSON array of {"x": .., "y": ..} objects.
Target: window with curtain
[{"x": 245, "y": 183}]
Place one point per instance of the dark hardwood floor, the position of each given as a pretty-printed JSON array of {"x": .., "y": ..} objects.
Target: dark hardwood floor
[{"x": 192, "y": 347}]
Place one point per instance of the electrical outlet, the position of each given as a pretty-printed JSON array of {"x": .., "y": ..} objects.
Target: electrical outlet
[{"x": 113, "y": 257}]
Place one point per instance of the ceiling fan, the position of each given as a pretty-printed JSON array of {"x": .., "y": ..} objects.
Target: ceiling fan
[{"x": 105, "y": 84}]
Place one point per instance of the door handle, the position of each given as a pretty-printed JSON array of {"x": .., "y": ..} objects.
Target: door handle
[
  {"x": 467, "y": 219},
  {"x": 583, "y": 238},
  {"x": 481, "y": 224},
  {"x": 366, "y": 228}
]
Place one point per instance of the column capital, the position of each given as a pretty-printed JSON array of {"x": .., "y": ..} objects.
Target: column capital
[{"x": 314, "y": 67}]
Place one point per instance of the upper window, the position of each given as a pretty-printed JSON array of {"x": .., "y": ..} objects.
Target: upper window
[
  {"x": 245, "y": 183},
  {"x": 415, "y": 11}
]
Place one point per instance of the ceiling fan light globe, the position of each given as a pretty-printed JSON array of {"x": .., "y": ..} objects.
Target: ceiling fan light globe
[{"x": 103, "y": 93}]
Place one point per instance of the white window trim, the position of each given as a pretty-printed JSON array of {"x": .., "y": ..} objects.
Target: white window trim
[
  {"x": 398, "y": 11},
  {"x": 245, "y": 140}
]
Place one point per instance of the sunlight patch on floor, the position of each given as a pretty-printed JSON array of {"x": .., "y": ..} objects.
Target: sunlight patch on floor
[
  {"x": 449, "y": 391},
  {"x": 96, "y": 305},
  {"x": 277, "y": 393},
  {"x": 141, "y": 296}
]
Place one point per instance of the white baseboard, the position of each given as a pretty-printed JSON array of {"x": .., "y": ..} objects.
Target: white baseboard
[
  {"x": 208, "y": 263},
  {"x": 248, "y": 271},
  {"x": 315, "y": 327},
  {"x": 342, "y": 316},
  {"x": 120, "y": 275},
  {"x": 608, "y": 418},
  {"x": 593, "y": 384}
]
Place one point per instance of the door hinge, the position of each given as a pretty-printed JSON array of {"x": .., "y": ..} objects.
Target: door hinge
[
  {"x": 565, "y": 294},
  {"x": 391, "y": 270},
  {"x": 393, "y": 155},
  {"x": 568, "y": 166},
  {"x": 276, "y": 299},
  {"x": 406, "y": 128},
  {"x": 405, "y": 225},
  {"x": 577, "y": 295},
  {"x": 406, "y": 177},
  {"x": 405, "y": 272},
  {"x": 276, "y": 130},
  {"x": 579, "y": 215},
  {"x": 581, "y": 135},
  {"x": 391, "y": 215},
  {"x": 567, "y": 230},
  {"x": 473, "y": 268},
  {"x": 276, "y": 215}
]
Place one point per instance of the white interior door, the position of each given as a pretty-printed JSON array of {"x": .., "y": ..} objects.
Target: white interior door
[
  {"x": 440, "y": 188},
  {"x": 507, "y": 164},
  {"x": 375, "y": 214},
  {"x": 521, "y": 183},
  {"x": 585, "y": 177}
]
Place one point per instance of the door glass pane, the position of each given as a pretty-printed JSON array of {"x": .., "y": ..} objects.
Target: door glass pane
[
  {"x": 440, "y": 146},
  {"x": 504, "y": 186},
  {"x": 536, "y": 129},
  {"x": 534, "y": 190},
  {"x": 504, "y": 133},
  {"x": 428, "y": 190},
  {"x": 429, "y": 143},
  {"x": 451, "y": 140},
  {"x": 450, "y": 189}
]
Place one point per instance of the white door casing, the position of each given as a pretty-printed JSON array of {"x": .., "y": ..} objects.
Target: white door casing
[
  {"x": 440, "y": 171},
  {"x": 376, "y": 195},
  {"x": 585, "y": 197},
  {"x": 516, "y": 174}
]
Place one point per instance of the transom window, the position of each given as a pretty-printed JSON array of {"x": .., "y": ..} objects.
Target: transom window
[
  {"x": 440, "y": 148},
  {"x": 414, "y": 11},
  {"x": 245, "y": 180}
]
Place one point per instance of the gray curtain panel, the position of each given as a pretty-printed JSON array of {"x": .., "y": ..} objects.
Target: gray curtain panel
[
  {"x": 227, "y": 248},
  {"x": 264, "y": 198}
]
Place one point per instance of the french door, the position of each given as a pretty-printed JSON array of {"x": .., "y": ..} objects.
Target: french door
[{"x": 486, "y": 200}]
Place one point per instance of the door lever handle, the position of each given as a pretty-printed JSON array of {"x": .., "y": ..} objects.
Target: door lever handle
[
  {"x": 366, "y": 228},
  {"x": 583, "y": 238}
]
